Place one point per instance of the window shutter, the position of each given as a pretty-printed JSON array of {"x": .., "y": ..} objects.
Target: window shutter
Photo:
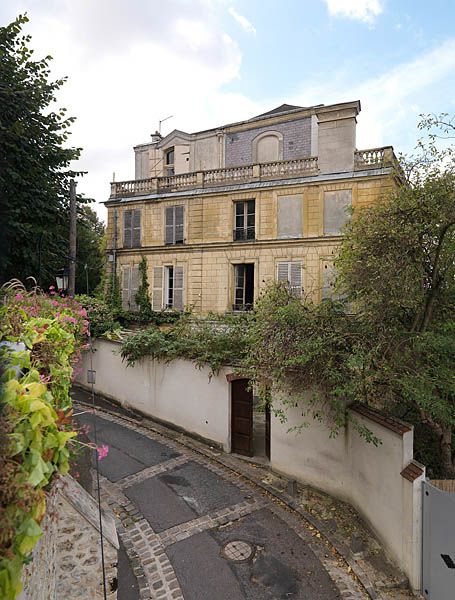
[
  {"x": 169, "y": 238},
  {"x": 178, "y": 288},
  {"x": 283, "y": 272},
  {"x": 157, "y": 296},
  {"x": 179, "y": 215},
  {"x": 125, "y": 287},
  {"x": 127, "y": 222},
  {"x": 295, "y": 278},
  {"x": 134, "y": 285},
  {"x": 328, "y": 281},
  {"x": 136, "y": 228}
]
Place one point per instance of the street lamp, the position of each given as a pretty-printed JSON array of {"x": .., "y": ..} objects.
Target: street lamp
[{"x": 62, "y": 280}]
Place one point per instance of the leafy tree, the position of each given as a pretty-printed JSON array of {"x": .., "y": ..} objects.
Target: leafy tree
[
  {"x": 34, "y": 162},
  {"x": 397, "y": 267},
  {"x": 90, "y": 235},
  {"x": 142, "y": 295}
]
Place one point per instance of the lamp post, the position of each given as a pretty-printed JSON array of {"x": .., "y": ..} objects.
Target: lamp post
[{"x": 62, "y": 280}]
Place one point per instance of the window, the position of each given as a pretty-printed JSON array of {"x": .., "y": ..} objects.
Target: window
[
  {"x": 167, "y": 288},
  {"x": 169, "y": 161},
  {"x": 291, "y": 273},
  {"x": 243, "y": 287},
  {"x": 174, "y": 224},
  {"x": 132, "y": 228},
  {"x": 130, "y": 283},
  {"x": 328, "y": 281},
  {"x": 289, "y": 211},
  {"x": 244, "y": 221},
  {"x": 336, "y": 211}
]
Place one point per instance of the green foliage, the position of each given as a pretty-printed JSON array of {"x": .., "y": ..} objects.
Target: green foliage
[
  {"x": 142, "y": 296},
  {"x": 101, "y": 317},
  {"x": 34, "y": 418},
  {"x": 215, "y": 341},
  {"x": 113, "y": 292},
  {"x": 90, "y": 251},
  {"x": 35, "y": 164}
]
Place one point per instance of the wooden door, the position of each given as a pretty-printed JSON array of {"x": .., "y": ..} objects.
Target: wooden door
[
  {"x": 241, "y": 417},
  {"x": 267, "y": 430}
]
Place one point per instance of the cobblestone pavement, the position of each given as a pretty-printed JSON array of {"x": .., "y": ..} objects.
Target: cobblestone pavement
[{"x": 176, "y": 509}]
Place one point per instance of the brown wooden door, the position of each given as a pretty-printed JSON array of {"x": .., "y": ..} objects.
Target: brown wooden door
[
  {"x": 241, "y": 418},
  {"x": 267, "y": 430}
]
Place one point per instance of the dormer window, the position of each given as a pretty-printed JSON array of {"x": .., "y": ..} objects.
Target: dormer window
[{"x": 169, "y": 162}]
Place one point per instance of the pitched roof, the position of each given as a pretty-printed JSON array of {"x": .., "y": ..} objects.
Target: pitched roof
[{"x": 279, "y": 109}]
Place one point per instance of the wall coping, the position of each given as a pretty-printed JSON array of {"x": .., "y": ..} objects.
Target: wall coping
[
  {"x": 413, "y": 471},
  {"x": 392, "y": 423}
]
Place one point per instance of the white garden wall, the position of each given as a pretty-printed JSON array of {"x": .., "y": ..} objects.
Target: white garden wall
[
  {"x": 176, "y": 392},
  {"x": 383, "y": 483}
]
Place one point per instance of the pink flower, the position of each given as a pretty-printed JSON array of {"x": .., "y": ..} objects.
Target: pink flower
[
  {"x": 54, "y": 303},
  {"x": 102, "y": 451},
  {"x": 19, "y": 297},
  {"x": 52, "y": 287}
]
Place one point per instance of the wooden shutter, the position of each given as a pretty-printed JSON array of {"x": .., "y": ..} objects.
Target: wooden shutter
[
  {"x": 178, "y": 288},
  {"x": 127, "y": 226},
  {"x": 125, "y": 287},
  {"x": 169, "y": 238},
  {"x": 295, "y": 278},
  {"x": 134, "y": 285},
  {"x": 283, "y": 272},
  {"x": 157, "y": 295},
  {"x": 178, "y": 222},
  {"x": 136, "y": 228}
]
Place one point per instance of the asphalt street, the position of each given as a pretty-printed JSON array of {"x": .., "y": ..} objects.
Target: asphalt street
[{"x": 192, "y": 512}]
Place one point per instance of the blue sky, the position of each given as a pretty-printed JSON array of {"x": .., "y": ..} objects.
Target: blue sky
[{"x": 211, "y": 62}]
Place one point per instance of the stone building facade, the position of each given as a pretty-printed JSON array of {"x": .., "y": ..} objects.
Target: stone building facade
[{"x": 218, "y": 213}]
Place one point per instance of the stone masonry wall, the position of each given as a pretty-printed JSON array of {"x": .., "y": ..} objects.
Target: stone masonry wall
[
  {"x": 67, "y": 559},
  {"x": 297, "y": 142}
]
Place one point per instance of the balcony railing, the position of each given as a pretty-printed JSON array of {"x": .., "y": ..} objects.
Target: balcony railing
[
  {"x": 242, "y": 234},
  {"x": 283, "y": 169}
]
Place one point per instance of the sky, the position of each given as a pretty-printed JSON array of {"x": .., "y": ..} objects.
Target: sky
[{"x": 132, "y": 63}]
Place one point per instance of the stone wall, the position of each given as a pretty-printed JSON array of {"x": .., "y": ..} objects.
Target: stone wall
[{"x": 67, "y": 559}]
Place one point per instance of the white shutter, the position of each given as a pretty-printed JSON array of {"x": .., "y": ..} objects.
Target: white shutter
[
  {"x": 179, "y": 215},
  {"x": 157, "y": 295},
  {"x": 329, "y": 275},
  {"x": 178, "y": 288},
  {"x": 295, "y": 278},
  {"x": 134, "y": 285},
  {"x": 283, "y": 272},
  {"x": 126, "y": 287}
]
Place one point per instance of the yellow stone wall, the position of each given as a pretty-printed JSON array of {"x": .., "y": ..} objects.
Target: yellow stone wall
[{"x": 209, "y": 253}]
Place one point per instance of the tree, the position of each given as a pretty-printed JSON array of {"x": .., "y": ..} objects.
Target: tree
[
  {"x": 397, "y": 267},
  {"x": 34, "y": 162},
  {"x": 142, "y": 295},
  {"x": 90, "y": 233}
]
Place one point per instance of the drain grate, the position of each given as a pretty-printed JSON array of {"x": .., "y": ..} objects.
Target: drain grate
[{"x": 237, "y": 551}]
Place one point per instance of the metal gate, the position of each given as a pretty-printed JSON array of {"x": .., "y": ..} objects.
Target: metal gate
[{"x": 438, "y": 569}]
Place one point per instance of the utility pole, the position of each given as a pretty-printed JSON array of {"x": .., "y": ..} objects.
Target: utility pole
[{"x": 72, "y": 249}]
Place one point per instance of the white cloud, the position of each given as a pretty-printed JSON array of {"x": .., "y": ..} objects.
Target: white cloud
[
  {"x": 242, "y": 21},
  {"x": 130, "y": 65},
  {"x": 361, "y": 10}
]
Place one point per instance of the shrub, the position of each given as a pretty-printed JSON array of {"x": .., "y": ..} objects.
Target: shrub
[{"x": 35, "y": 424}]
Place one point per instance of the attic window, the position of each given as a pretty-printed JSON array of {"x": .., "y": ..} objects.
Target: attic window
[{"x": 169, "y": 162}]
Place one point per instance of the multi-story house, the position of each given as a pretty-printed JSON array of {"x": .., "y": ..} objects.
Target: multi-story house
[{"x": 220, "y": 212}]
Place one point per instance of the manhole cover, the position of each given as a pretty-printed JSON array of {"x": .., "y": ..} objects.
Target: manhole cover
[{"x": 237, "y": 551}]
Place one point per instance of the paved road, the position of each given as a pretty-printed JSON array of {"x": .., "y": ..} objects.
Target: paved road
[{"x": 178, "y": 514}]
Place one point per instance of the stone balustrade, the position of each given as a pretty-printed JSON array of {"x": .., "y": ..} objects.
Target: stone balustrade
[{"x": 283, "y": 169}]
